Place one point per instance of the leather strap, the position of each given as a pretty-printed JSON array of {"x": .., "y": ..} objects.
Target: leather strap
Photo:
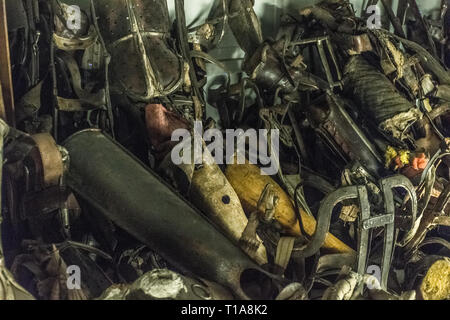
[{"x": 96, "y": 99}]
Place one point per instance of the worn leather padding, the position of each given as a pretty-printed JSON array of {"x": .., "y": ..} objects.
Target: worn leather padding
[
  {"x": 372, "y": 91},
  {"x": 127, "y": 66}
]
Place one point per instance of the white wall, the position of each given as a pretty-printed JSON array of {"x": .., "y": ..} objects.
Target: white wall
[{"x": 269, "y": 11}]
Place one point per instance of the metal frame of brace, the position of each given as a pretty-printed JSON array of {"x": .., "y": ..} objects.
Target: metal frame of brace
[{"x": 366, "y": 221}]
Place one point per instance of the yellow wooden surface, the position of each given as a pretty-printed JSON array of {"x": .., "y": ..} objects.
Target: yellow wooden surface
[{"x": 248, "y": 183}]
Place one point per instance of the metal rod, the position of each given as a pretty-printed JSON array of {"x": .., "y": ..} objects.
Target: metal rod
[{"x": 395, "y": 21}]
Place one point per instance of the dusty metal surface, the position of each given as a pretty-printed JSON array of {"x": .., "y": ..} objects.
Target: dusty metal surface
[{"x": 138, "y": 201}]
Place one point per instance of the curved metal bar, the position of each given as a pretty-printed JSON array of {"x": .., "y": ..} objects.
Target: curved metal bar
[
  {"x": 387, "y": 186},
  {"x": 399, "y": 181},
  {"x": 324, "y": 218}
]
